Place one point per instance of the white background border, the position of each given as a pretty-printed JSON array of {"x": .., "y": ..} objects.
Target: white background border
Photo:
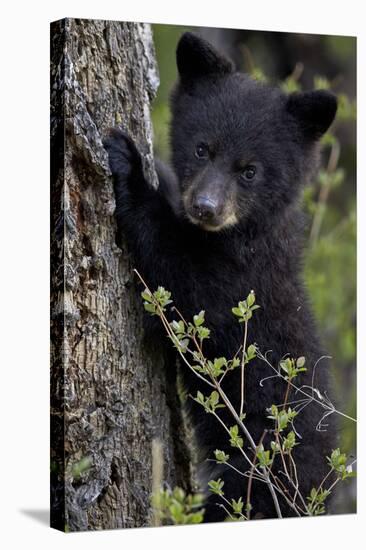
[{"x": 24, "y": 271}]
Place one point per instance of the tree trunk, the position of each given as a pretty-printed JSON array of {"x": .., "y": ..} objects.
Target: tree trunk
[{"x": 110, "y": 395}]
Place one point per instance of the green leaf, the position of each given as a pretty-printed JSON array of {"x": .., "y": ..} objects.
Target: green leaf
[
  {"x": 292, "y": 370},
  {"x": 162, "y": 296},
  {"x": 251, "y": 352},
  {"x": 264, "y": 457},
  {"x": 328, "y": 139},
  {"x": 290, "y": 85},
  {"x": 248, "y": 315},
  {"x": 199, "y": 368},
  {"x": 200, "y": 398},
  {"x": 233, "y": 363},
  {"x": 237, "y": 505},
  {"x": 216, "y": 486},
  {"x": 176, "y": 512},
  {"x": 217, "y": 367},
  {"x": 274, "y": 411},
  {"x": 146, "y": 294},
  {"x": 179, "y": 494},
  {"x": 321, "y": 83},
  {"x": 251, "y": 298},
  {"x": 199, "y": 319},
  {"x": 316, "y": 501},
  {"x": 203, "y": 332},
  {"x": 235, "y": 439},
  {"x": 151, "y": 308},
  {"x": 214, "y": 398},
  {"x": 275, "y": 447},
  {"x": 257, "y": 74},
  {"x": 178, "y": 327},
  {"x": 177, "y": 507},
  {"x": 195, "y": 518},
  {"x": 289, "y": 442},
  {"x": 282, "y": 420},
  {"x": 234, "y": 430},
  {"x": 221, "y": 456},
  {"x": 182, "y": 345},
  {"x": 337, "y": 462}
]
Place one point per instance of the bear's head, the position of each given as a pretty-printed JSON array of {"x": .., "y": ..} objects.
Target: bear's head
[{"x": 241, "y": 149}]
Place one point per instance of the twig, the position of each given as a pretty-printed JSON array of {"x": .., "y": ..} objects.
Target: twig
[
  {"x": 338, "y": 478},
  {"x": 284, "y": 493},
  {"x": 171, "y": 333},
  {"x": 297, "y": 71},
  {"x": 229, "y": 503},
  {"x": 230, "y": 466},
  {"x": 287, "y": 475},
  {"x": 243, "y": 368},
  {"x": 286, "y": 395},
  {"x": 310, "y": 397},
  {"x": 324, "y": 194},
  {"x": 249, "y": 489}
]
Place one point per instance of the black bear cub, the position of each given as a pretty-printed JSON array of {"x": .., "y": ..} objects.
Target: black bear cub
[{"x": 225, "y": 220}]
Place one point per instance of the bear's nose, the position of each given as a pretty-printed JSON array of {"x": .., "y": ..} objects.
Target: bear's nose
[{"x": 204, "y": 208}]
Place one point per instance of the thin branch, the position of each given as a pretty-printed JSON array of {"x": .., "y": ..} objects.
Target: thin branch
[
  {"x": 243, "y": 367},
  {"x": 240, "y": 448},
  {"x": 171, "y": 333},
  {"x": 286, "y": 395},
  {"x": 249, "y": 489},
  {"x": 324, "y": 194},
  {"x": 310, "y": 397},
  {"x": 230, "y": 466},
  {"x": 229, "y": 503}
]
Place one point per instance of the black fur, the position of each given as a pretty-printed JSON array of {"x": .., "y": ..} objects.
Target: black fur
[{"x": 212, "y": 265}]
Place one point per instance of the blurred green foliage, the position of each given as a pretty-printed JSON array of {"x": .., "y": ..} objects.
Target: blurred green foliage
[
  {"x": 175, "y": 507},
  {"x": 298, "y": 62},
  {"x": 165, "y": 39}
]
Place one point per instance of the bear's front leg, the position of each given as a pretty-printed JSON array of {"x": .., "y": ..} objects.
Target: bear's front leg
[
  {"x": 145, "y": 218},
  {"x": 145, "y": 215},
  {"x": 132, "y": 192}
]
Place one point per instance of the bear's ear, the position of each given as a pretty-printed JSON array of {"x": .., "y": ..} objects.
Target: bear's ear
[
  {"x": 314, "y": 111},
  {"x": 197, "y": 58}
]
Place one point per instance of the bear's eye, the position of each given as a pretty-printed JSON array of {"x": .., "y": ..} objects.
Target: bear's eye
[
  {"x": 248, "y": 173},
  {"x": 201, "y": 151}
]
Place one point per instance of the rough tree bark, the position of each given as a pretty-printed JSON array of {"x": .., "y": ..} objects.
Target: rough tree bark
[{"x": 110, "y": 395}]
